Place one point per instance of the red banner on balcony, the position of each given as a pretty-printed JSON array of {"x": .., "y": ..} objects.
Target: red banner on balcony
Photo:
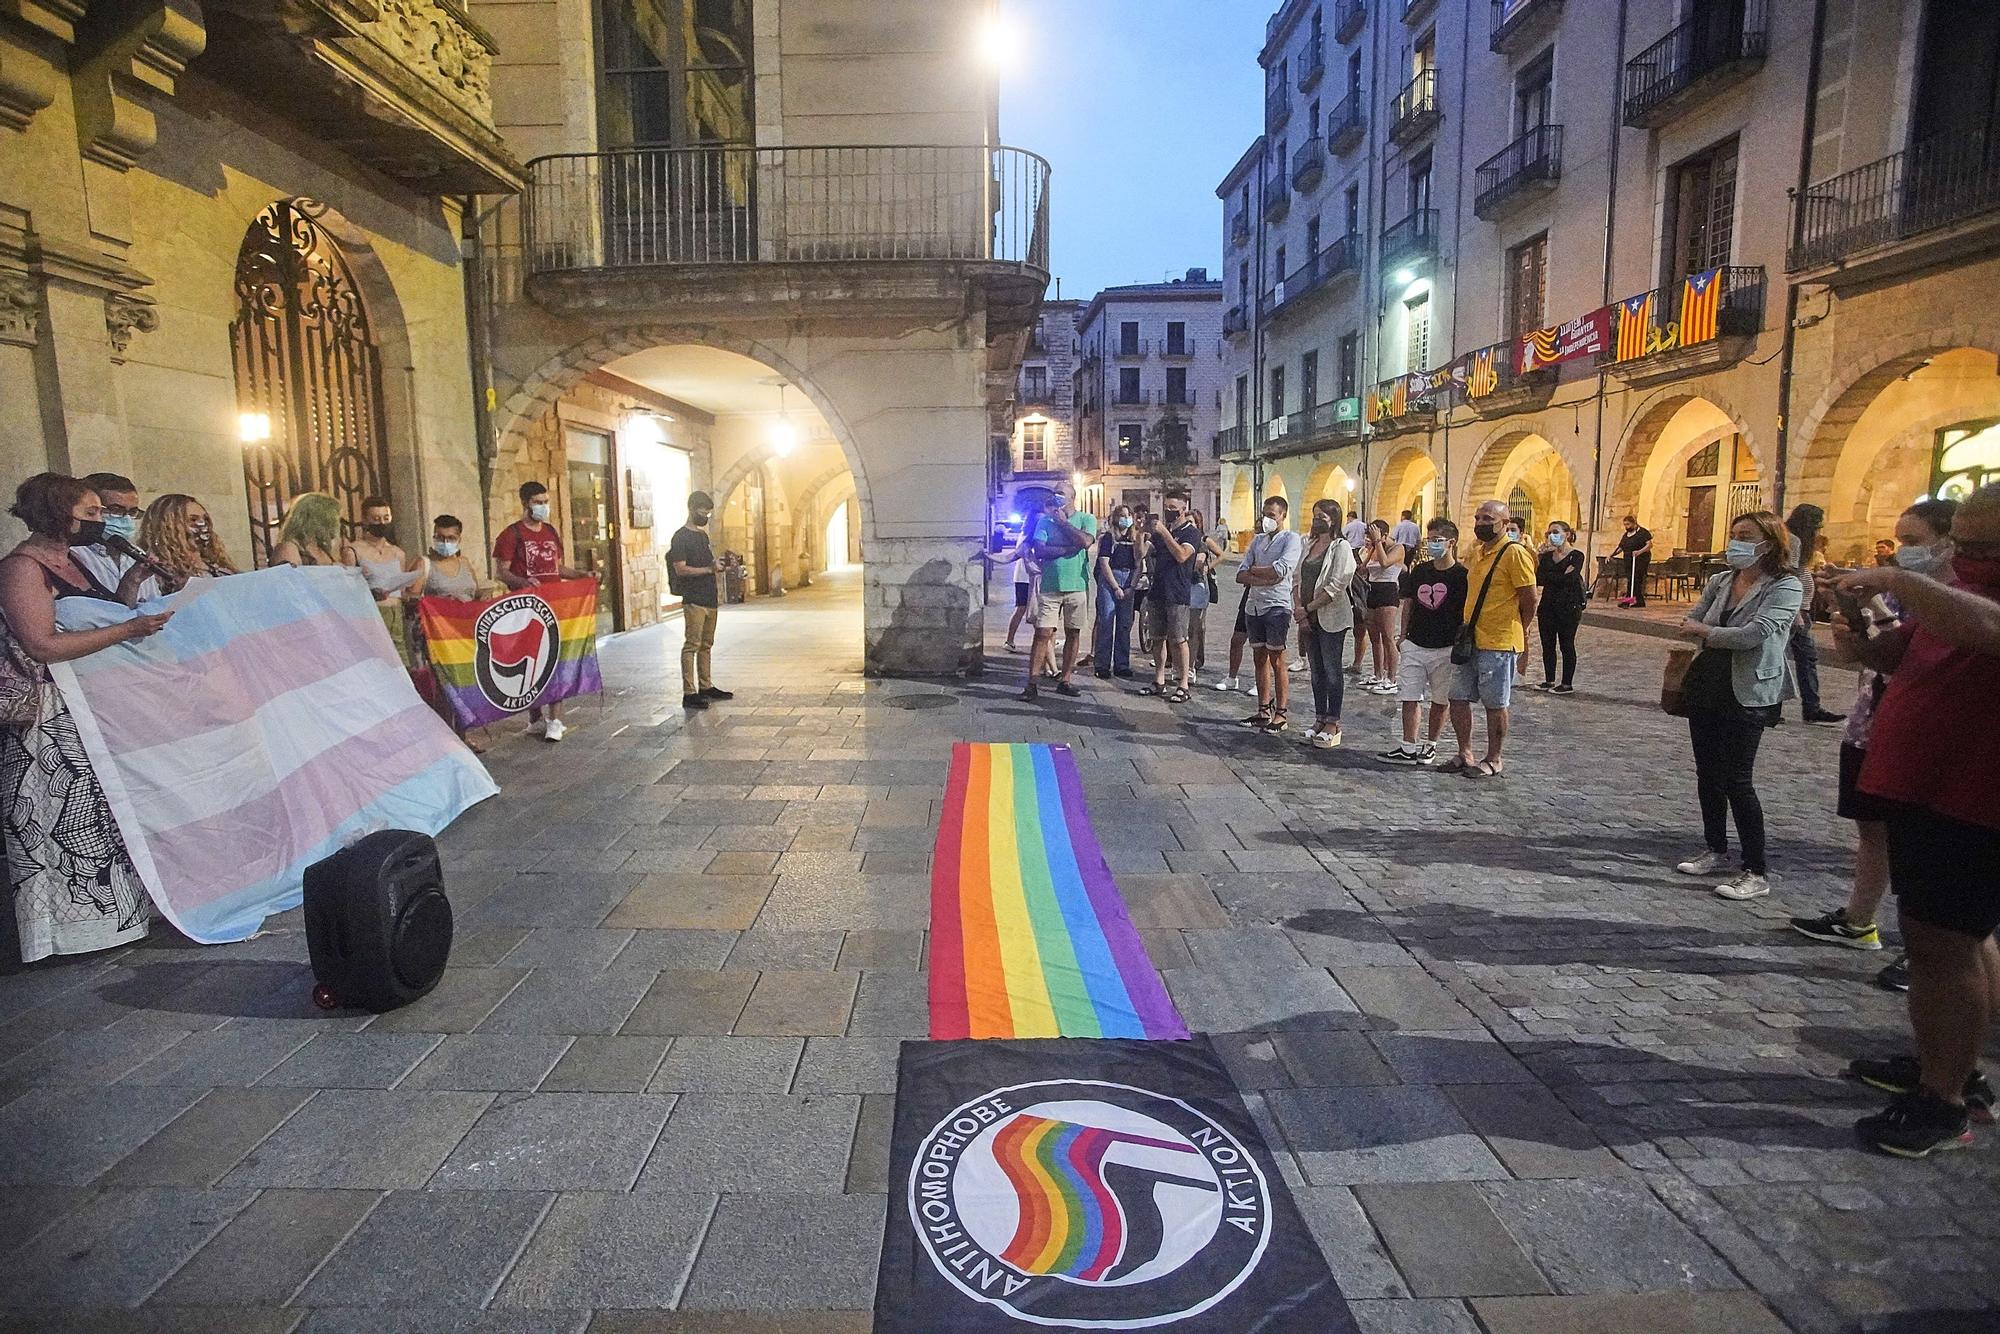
[{"x": 1585, "y": 336}]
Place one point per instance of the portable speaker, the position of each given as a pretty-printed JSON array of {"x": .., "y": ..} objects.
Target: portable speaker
[{"x": 378, "y": 926}]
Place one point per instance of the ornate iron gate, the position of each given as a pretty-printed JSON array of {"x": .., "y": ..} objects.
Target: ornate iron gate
[{"x": 308, "y": 374}]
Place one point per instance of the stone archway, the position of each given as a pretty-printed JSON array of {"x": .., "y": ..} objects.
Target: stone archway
[
  {"x": 1634, "y": 468},
  {"x": 1406, "y": 472},
  {"x": 1514, "y": 458}
]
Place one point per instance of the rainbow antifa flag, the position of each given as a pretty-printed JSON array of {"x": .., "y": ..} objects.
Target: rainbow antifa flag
[
  {"x": 1029, "y": 937},
  {"x": 529, "y": 648}
]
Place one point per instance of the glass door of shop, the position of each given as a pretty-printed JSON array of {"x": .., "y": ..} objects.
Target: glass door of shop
[{"x": 593, "y": 521}]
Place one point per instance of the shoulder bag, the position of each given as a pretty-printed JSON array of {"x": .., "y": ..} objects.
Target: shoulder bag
[
  {"x": 1463, "y": 647},
  {"x": 1673, "y": 680}
]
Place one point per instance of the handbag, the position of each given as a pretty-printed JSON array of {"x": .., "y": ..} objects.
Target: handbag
[
  {"x": 1467, "y": 642},
  {"x": 1673, "y": 679}
]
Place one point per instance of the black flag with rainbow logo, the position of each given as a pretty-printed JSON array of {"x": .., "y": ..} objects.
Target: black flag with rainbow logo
[{"x": 1089, "y": 1184}]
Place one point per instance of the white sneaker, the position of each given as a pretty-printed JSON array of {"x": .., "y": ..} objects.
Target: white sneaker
[
  {"x": 554, "y": 731},
  {"x": 1194, "y": 681},
  {"x": 1384, "y": 688},
  {"x": 1250, "y": 686},
  {"x": 1746, "y": 885},
  {"x": 1296, "y": 665},
  {"x": 1227, "y": 685},
  {"x": 1708, "y": 863},
  {"x": 1325, "y": 740},
  {"x": 1367, "y": 682}
]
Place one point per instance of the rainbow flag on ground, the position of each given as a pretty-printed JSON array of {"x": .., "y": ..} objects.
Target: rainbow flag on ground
[
  {"x": 1029, "y": 937},
  {"x": 529, "y": 648}
]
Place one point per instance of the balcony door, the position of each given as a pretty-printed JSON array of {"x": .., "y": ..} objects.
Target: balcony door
[
  {"x": 1701, "y": 212},
  {"x": 1309, "y": 383}
]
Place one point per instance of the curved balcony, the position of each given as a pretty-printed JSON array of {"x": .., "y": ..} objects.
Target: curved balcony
[
  {"x": 759, "y": 231},
  {"x": 1348, "y": 18},
  {"x": 1415, "y": 236},
  {"x": 1415, "y": 110},
  {"x": 1696, "y": 60},
  {"x": 1312, "y": 65},
  {"x": 1345, "y": 125},
  {"x": 1308, "y": 164},
  {"x": 1531, "y": 164}
]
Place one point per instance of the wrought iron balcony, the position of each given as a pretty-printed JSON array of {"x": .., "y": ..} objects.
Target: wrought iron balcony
[
  {"x": 1323, "y": 424},
  {"x": 1308, "y": 164},
  {"x": 1137, "y": 349},
  {"x": 727, "y": 227},
  {"x": 1277, "y": 107},
  {"x": 1348, "y": 18},
  {"x": 1232, "y": 442},
  {"x": 1340, "y": 259},
  {"x": 1413, "y": 237},
  {"x": 1235, "y": 321},
  {"x": 1516, "y": 23},
  {"x": 1277, "y": 197},
  {"x": 1181, "y": 351},
  {"x": 1312, "y": 64},
  {"x": 1414, "y": 111},
  {"x": 1910, "y": 206},
  {"x": 1345, "y": 124},
  {"x": 1531, "y": 164},
  {"x": 1239, "y": 226},
  {"x": 1686, "y": 336},
  {"x": 1695, "y": 60}
]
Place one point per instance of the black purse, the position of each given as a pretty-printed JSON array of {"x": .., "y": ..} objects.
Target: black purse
[{"x": 1467, "y": 643}]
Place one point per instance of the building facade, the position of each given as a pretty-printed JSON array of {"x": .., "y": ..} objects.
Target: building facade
[
  {"x": 1039, "y": 449},
  {"x": 1577, "y": 281},
  {"x": 231, "y": 256},
  {"x": 1148, "y": 393},
  {"x": 796, "y": 220}
]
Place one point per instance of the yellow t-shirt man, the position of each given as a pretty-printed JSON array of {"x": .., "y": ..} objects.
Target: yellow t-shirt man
[{"x": 1500, "y": 619}]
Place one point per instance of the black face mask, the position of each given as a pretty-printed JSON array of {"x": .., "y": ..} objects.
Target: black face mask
[
  {"x": 698, "y": 520},
  {"x": 381, "y": 530},
  {"x": 1485, "y": 532},
  {"x": 89, "y": 532},
  {"x": 1173, "y": 516}
]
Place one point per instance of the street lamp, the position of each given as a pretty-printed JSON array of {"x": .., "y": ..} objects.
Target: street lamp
[
  {"x": 253, "y": 428},
  {"x": 996, "y": 43}
]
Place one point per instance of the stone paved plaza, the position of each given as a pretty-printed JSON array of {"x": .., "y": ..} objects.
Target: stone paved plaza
[{"x": 1521, "y": 1077}]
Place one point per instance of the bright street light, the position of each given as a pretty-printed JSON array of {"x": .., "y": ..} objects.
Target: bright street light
[
  {"x": 253, "y": 428},
  {"x": 1404, "y": 276},
  {"x": 784, "y": 436}
]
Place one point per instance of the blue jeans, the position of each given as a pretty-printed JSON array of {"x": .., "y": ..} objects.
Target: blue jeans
[
  {"x": 1112, "y": 646},
  {"x": 1805, "y": 665}
]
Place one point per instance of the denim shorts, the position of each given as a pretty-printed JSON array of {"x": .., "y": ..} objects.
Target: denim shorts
[
  {"x": 1269, "y": 629},
  {"x": 1488, "y": 678}
]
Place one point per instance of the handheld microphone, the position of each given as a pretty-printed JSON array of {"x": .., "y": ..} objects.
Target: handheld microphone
[{"x": 123, "y": 547}]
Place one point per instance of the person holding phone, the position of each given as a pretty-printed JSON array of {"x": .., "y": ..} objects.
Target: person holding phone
[{"x": 1062, "y": 542}]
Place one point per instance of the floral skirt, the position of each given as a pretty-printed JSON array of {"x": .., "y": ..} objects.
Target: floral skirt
[{"x": 75, "y": 889}]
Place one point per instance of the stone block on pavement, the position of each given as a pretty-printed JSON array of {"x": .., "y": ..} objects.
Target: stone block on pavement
[{"x": 1447, "y": 1241}]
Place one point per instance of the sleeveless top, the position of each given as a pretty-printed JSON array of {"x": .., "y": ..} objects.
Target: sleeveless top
[
  {"x": 380, "y": 574},
  {"x": 464, "y": 586}
]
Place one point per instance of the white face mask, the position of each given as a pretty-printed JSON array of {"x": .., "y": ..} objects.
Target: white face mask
[
  {"x": 539, "y": 511},
  {"x": 1919, "y": 558},
  {"x": 1270, "y": 524},
  {"x": 445, "y": 548}
]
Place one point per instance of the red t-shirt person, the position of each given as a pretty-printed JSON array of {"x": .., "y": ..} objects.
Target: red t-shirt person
[{"x": 530, "y": 553}]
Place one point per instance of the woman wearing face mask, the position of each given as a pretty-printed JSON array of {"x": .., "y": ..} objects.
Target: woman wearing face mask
[
  {"x": 386, "y": 567},
  {"x": 1382, "y": 565},
  {"x": 74, "y": 885},
  {"x": 1733, "y": 691},
  {"x": 179, "y": 534},
  {"x": 1117, "y": 569},
  {"x": 311, "y": 532},
  {"x": 1924, "y": 537},
  {"x": 1325, "y": 614},
  {"x": 1559, "y": 573}
]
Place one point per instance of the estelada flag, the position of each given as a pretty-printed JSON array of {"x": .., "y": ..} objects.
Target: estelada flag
[
  {"x": 529, "y": 648},
  {"x": 1635, "y": 326},
  {"x": 1089, "y": 1183},
  {"x": 1701, "y": 300}
]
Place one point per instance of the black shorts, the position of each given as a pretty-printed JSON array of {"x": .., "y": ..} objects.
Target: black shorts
[
  {"x": 1021, "y": 594},
  {"x": 1946, "y": 873},
  {"x": 1383, "y": 594},
  {"x": 1269, "y": 629},
  {"x": 1854, "y": 803}
]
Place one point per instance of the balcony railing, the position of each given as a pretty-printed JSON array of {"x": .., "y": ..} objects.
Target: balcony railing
[
  {"x": 1348, "y": 18},
  {"x": 1137, "y": 349},
  {"x": 1183, "y": 398},
  {"x": 1308, "y": 163},
  {"x": 1239, "y": 226},
  {"x": 1312, "y": 64},
  {"x": 1738, "y": 313},
  {"x": 1235, "y": 320},
  {"x": 1705, "y": 53},
  {"x": 1346, "y": 124},
  {"x": 1321, "y": 423},
  {"x": 1414, "y": 236},
  {"x": 1277, "y": 197},
  {"x": 1340, "y": 258},
  {"x": 1277, "y": 106},
  {"x": 1415, "y": 109},
  {"x": 1533, "y": 160},
  {"x": 1231, "y": 441},
  {"x": 733, "y": 206},
  {"x": 1181, "y": 351},
  {"x": 1515, "y": 21},
  {"x": 1930, "y": 185}
]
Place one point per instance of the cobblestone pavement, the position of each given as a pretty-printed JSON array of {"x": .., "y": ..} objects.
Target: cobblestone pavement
[{"x": 1520, "y": 1076}]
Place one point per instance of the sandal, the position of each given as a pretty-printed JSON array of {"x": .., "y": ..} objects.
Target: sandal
[
  {"x": 1176, "y": 696},
  {"x": 1276, "y": 724},
  {"x": 1257, "y": 719},
  {"x": 1152, "y": 690},
  {"x": 1454, "y": 765},
  {"x": 1483, "y": 769}
]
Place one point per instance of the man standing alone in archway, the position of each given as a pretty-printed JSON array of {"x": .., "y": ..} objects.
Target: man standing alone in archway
[{"x": 691, "y": 573}]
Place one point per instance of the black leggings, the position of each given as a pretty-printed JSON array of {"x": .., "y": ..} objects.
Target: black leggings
[
  {"x": 1558, "y": 626},
  {"x": 1725, "y": 777}
]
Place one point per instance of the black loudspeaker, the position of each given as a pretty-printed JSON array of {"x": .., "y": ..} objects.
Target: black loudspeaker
[{"x": 378, "y": 926}]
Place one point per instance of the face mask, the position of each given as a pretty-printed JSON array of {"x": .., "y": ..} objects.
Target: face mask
[
  {"x": 378, "y": 530},
  {"x": 1321, "y": 525},
  {"x": 1981, "y": 573},
  {"x": 1124, "y": 522},
  {"x": 89, "y": 533},
  {"x": 1486, "y": 532},
  {"x": 1270, "y": 525},
  {"x": 539, "y": 511},
  {"x": 122, "y": 525},
  {"x": 1435, "y": 547},
  {"x": 1557, "y": 538},
  {"x": 445, "y": 548},
  {"x": 698, "y": 520},
  {"x": 1921, "y": 559},
  {"x": 1742, "y": 555},
  {"x": 1173, "y": 516}
]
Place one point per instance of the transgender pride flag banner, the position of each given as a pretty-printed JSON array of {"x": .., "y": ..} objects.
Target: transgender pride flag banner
[{"x": 268, "y": 726}]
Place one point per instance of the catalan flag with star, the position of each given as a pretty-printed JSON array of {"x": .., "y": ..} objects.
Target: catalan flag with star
[
  {"x": 1635, "y": 325},
  {"x": 1701, "y": 302}
]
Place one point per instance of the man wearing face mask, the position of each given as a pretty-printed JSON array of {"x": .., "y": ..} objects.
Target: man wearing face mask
[
  {"x": 1268, "y": 571},
  {"x": 1933, "y": 752},
  {"x": 691, "y": 575},
  {"x": 527, "y": 552},
  {"x": 1500, "y": 579},
  {"x": 1171, "y": 550},
  {"x": 1433, "y": 614},
  {"x": 120, "y": 499}
]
